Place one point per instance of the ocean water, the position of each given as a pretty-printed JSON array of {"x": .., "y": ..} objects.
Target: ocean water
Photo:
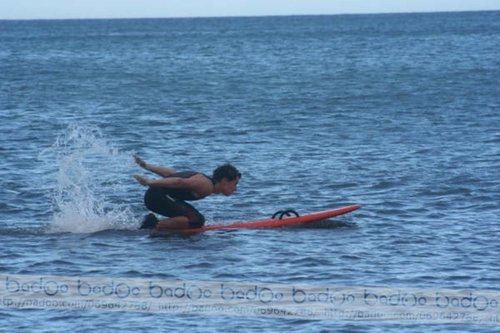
[{"x": 399, "y": 113}]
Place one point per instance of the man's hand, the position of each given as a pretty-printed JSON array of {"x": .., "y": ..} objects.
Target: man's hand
[
  {"x": 142, "y": 180},
  {"x": 140, "y": 161}
]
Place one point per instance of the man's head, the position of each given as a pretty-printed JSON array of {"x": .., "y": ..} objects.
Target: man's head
[{"x": 226, "y": 177}]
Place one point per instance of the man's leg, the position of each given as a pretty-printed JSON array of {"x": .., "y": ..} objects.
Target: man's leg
[{"x": 178, "y": 222}]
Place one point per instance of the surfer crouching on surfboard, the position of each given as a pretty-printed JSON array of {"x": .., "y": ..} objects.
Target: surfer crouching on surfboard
[{"x": 167, "y": 195}]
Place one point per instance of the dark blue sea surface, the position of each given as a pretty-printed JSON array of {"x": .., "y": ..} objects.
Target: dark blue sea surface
[{"x": 399, "y": 113}]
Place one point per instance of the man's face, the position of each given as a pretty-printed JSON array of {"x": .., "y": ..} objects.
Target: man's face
[{"x": 228, "y": 187}]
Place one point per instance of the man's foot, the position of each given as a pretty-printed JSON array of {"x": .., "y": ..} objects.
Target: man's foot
[{"x": 149, "y": 222}]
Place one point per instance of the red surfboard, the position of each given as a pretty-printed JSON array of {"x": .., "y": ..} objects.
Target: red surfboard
[{"x": 285, "y": 221}]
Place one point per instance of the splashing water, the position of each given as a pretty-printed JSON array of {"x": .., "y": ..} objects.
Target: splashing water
[{"x": 90, "y": 183}]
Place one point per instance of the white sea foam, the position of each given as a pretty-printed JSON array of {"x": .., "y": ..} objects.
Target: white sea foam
[{"x": 90, "y": 177}]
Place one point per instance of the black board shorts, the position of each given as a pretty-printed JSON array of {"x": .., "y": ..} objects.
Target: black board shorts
[{"x": 158, "y": 200}]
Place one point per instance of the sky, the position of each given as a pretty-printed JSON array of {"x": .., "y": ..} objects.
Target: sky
[{"x": 63, "y": 9}]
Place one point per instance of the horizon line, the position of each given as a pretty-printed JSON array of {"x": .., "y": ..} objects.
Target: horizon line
[{"x": 247, "y": 16}]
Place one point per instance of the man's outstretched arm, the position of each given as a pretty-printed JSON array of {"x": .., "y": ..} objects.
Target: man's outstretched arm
[{"x": 159, "y": 170}]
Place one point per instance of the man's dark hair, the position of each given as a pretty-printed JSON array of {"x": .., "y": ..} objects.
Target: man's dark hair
[{"x": 226, "y": 171}]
